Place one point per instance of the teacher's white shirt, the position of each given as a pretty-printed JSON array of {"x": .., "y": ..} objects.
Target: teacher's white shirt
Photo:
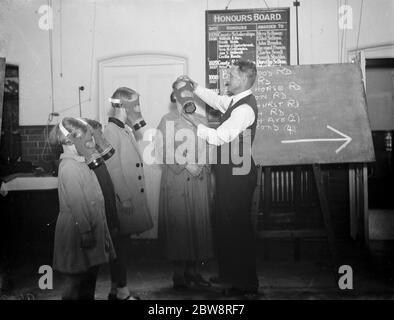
[{"x": 241, "y": 117}]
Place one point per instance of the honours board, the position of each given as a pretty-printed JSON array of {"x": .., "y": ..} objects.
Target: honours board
[{"x": 260, "y": 35}]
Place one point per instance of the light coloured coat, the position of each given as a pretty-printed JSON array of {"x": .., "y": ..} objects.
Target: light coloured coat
[
  {"x": 126, "y": 170},
  {"x": 81, "y": 210}
]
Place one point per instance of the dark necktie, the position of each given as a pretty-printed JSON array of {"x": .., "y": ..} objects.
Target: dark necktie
[{"x": 231, "y": 104}]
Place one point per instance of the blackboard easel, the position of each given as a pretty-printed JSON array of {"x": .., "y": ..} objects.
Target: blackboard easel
[
  {"x": 328, "y": 231},
  {"x": 326, "y": 213}
]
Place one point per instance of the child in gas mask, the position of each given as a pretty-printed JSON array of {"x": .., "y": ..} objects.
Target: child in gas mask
[
  {"x": 126, "y": 170},
  {"x": 184, "y": 210},
  {"x": 106, "y": 151},
  {"x": 96, "y": 162},
  {"x": 82, "y": 238}
]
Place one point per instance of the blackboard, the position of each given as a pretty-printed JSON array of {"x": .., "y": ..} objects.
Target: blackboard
[
  {"x": 311, "y": 114},
  {"x": 2, "y": 79},
  {"x": 260, "y": 35}
]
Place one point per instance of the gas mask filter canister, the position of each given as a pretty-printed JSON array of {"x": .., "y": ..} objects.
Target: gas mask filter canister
[{"x": 183, "y": 91}]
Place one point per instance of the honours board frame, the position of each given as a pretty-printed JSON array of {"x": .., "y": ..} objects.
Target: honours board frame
[{"x": 260, "y": 35}]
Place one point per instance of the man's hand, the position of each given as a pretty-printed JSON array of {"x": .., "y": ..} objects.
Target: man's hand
[
  {"x": 186, "y": 78},
  {"x": 87, "y": 240}
]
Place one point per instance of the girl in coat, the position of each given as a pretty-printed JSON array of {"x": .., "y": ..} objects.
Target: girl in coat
[
  {"x": 184, "y": 212},
  {"x": 82, "y": 238}
]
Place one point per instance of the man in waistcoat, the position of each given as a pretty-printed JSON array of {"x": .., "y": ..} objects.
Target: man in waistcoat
[{"x": 235, "y": 181}]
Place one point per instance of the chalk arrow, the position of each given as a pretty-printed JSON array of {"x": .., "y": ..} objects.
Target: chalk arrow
[{"x": 345, "y": 138}]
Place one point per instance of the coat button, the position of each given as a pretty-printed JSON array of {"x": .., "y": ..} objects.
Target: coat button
[
  {"x": 142, "y": 189},
  {"x": 137, "y": 165},
  {"x": 139, "y": 177}
]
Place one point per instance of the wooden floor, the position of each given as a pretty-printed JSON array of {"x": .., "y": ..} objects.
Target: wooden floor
[{"x": 280, "y": 276}]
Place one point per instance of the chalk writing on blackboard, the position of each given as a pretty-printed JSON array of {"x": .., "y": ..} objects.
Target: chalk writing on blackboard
[
  {"x": 275, "y": 101},
  {"x": 311, "y": 114}
]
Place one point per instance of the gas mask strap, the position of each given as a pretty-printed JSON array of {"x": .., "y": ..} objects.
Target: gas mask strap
[
  {"x": 82, "y": 121},
  {"x": 139, "y": 125},
  {"x": 113, "y": 100}
]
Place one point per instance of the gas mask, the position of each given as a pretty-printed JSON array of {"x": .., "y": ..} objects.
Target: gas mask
[
  {"x": 183, "y": 92},
  {"x": 84, "y": 144},
  {"x": 133, "y": 111},
  {"x": 104, "y": 148}
]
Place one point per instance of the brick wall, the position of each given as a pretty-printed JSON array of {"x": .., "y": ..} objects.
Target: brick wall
[{"x": 35, "y": 147}]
